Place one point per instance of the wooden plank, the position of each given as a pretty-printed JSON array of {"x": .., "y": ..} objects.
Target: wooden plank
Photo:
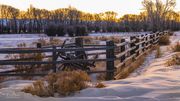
[
  {"x": 12, "y": 51},
  {"x": 125, "y": 52},
  {"x": 121, "y": 44},
  {"x": 49, "y": 62}
]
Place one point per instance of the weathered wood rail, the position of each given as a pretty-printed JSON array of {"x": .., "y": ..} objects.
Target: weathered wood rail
[{"x": 123, "y": 51}]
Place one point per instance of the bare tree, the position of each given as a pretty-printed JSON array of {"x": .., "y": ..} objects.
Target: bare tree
[{"x": 157, "y": 11}]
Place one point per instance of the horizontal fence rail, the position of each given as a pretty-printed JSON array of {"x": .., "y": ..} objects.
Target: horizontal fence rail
[{"x": 122, "y": 52}]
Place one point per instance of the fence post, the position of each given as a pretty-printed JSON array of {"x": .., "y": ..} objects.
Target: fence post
[
  {"x": 54, "y": 59},
  {"x": 79, "y": 43},
  {"x": 123, "y": 48},
  {"x": 39, "y": 45},
  {"x": 146, "y": 43},
  {"x": 151, "y": 38},
  {"x": 110, "y": 63},
  {"x": 137, "y": 51},
  {"x": 143, "y": 44},
  {"x": 132, "y": 44}
]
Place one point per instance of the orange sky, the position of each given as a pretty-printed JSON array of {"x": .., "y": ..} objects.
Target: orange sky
[{"x": 94, "y": 6}]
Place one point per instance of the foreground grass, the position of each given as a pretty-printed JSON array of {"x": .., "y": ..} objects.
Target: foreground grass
[
  {"x": 176, "y": 47},
  {"x": 174, "y": 60},
  {"x": 64, "y": 84}
]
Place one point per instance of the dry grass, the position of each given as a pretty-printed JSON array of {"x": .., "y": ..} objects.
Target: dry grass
[
  {"x": 52, "y": 41},
  {"x": 130, "y": 66},
  {"x": 55, "y": 41},
  {"x": 70, "y": 82},
  {"x": 101, "y": 77},
  {"x": 100, "y": 85},
  {"x": 38, "y": 88},
  {"x": 28, "y": 57},
  {"x": 63, "y": 83},
  {"x": 116, "y": 39},
  {"x": 175, "y": 60},
  {"x": 164, "y": 40},
  {"x": 176, "y": 48},
  {"x": 90, "y": 40},
  {"x": 125, "y": 71},
  {"x": 158, "y": 52}
]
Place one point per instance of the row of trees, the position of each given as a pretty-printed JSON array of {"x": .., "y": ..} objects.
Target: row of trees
[{"x": 156, "y": 15}]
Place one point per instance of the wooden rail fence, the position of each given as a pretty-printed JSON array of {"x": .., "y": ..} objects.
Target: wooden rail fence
[{"x": 122, "y": 52}]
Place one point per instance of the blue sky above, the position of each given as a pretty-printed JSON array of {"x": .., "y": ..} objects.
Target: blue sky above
[{"x": 93, "y": 6}]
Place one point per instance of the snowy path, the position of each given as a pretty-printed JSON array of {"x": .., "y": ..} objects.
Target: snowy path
[
  {"x": 148, "y": 60},
  {"x": 153, "y": 82}
]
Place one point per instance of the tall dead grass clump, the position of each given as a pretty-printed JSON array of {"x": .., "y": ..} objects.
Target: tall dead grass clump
[
  {"x": 176, "y": 47},
  {"x": 63, "y": 83},
  {"x": 164, "y": 40},
  {"x": 38, "y": 88},
  {"x": 175, "y": 60}
]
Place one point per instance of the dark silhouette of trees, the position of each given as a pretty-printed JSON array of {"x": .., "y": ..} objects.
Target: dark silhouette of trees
[{"x": 156, "y": 16}]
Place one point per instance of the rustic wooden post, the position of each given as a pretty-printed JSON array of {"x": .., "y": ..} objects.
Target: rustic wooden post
[
  {"x": 137, "y": 46},
  {"x": 155, "y": 38},
  {"x": 38, "y": 45},
  {"x": 158, "y": 36},
  {"x": 110, "y": 60},
  {"x": 79, "y": 43},
  {"x": 151, "y": 37},
  {"x": 132, "y": 44},
  {"x": 147, "y": 42},
  {"x": 143, "y": 44},
  {"x": 54, "y": 59},
  {"x": 123, "y": 48}
]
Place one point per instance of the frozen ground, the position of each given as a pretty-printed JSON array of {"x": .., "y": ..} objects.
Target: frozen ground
[
  {"x": 123, "y": 34},
  {"x": 154, "y": 81},
  {"x": 11, "y": 40}
]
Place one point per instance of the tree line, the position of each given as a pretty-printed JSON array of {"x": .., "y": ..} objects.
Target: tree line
[{"x": 155, "y": 16}]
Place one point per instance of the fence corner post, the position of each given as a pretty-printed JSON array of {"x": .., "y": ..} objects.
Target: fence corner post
[{"x": 110, "y": 60}]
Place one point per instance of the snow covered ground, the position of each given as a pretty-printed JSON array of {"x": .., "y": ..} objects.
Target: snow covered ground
[
  {"x": 123, "y": 34},
  {"x": 12, "y": 40},
  {"x": 153, "y": 81}
]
